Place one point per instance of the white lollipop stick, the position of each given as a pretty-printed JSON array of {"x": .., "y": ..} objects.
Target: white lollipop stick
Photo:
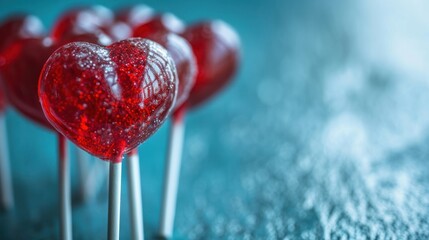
[
  {"x": 135, "y": 196},
  {"x": 114, "y": 200},
  {"x": 6, "y": 188},
  {"x": 64, "y": 191},
  {"x": 172, "y": 172}
]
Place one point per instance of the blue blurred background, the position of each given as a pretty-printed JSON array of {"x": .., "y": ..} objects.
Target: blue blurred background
[{"x": 322, "y": 135}]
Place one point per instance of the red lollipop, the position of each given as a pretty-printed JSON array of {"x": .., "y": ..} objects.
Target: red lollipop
[
  {"x": 24, "y": 60},
  {"x": 109, "y": 100},
  {"x": 216, "y": 48},
  {"x": 182, "y": 55},
  {"x": 13, "y": 28}
]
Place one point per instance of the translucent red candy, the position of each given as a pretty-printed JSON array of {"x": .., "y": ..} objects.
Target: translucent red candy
[
  {"x": 181, "y": 53},
  {"x": 82, "y": 20},
  {"x": 108, "y": 100},
  {"x": 216, "y": 48},
  {"x": 19, "y": 27},
  {"x": 23, "y": 61},
  {"x": 160, "y": 23}
]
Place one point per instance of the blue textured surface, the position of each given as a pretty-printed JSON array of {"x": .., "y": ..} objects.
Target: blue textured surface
[{"x": 323, "y": 134}]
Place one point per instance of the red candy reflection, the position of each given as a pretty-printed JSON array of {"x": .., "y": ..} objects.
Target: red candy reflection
[
  {"x": 108, "y": 100},
  {"x": 216, "y": 48}
]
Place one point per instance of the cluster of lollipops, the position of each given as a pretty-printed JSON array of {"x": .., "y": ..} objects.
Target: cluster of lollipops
[{"x": 107, "y": 81}]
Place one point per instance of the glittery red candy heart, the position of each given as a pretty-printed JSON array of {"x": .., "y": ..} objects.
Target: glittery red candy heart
[
  {"x": 108, "y": 100},
  {"x": 23, "y": 61},
  {"x": 181, "y": 53},
  {"x": 166, "y": 22},
  {"x": 216, "y": 48}
]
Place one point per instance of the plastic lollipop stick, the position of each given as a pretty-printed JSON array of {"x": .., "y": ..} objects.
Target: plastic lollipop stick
[
  {"x": 64, "y": 180},
  {"x": 6, "y": 189},
  {"x": 172, "y": 172},
  {"x": 135, "y": 195},
  {"x": 145, "y": 89},
  {"x": 114, "y": 200}
]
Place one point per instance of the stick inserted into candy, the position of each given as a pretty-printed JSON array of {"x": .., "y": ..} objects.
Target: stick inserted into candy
[
  {"x": 108, "y": 100},
  {"x": 84, "y": 24},
  {"x": 161, "y": 28},
  {"x": 181, "y": 52}
]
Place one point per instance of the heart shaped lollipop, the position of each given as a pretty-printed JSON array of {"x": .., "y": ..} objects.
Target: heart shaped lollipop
[
  {"x": 15, "y": 27},
  {"x": 182, "y": 55},
  {"x": 108, "y": 100},
  {"x": 216, "y": 48}
]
